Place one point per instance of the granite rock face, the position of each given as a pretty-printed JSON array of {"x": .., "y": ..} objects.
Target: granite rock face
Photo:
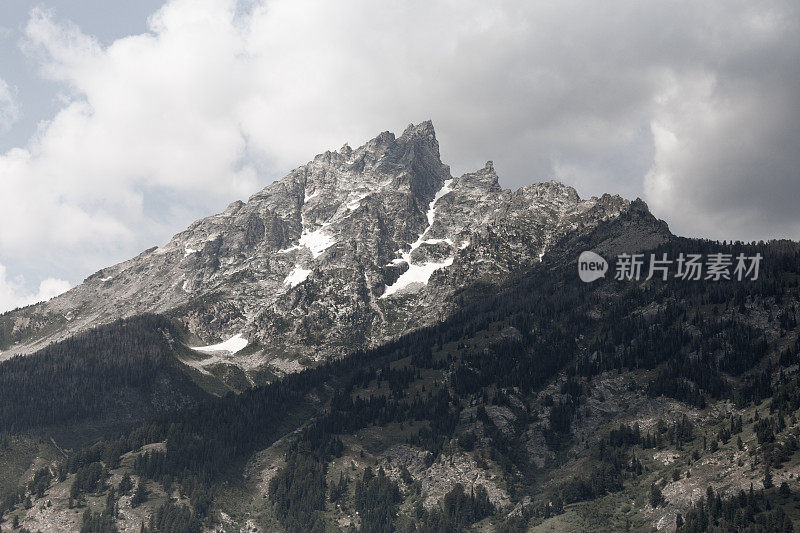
[{"x": 345, "y": 252}]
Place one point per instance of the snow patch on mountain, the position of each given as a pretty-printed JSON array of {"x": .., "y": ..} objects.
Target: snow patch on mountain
[
  {"x": 317, "y": 241},
  {"x": 415, "y": 277},
  {"x": 406, "y": 257},
  {"x": 419, "y": 274},
  {"x": 446, "y": 188},
  {"x": 232, "y": 345},
  {"x": 438, "y": 241},
  {"x": 289, "y": 249},
  {"x": 296, "y": 276},
  {"x": 354, "y": 204}
]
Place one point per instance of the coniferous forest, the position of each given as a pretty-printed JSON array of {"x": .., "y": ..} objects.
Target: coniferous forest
[{"x": 562, "y": 398}]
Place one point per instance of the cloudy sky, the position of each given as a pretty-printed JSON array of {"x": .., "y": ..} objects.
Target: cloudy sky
[{"x": 121, "y": 122}]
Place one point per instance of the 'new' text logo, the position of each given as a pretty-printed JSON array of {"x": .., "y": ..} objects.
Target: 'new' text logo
[{"x": 591, "y": 266}]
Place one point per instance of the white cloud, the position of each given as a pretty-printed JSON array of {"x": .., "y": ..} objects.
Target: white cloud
[
  {"x": 13, "y": 293},
  {"x": 52, "y": 287},
  {"x": 684, "y": 103},
  {"x": 9, "y": 108}
]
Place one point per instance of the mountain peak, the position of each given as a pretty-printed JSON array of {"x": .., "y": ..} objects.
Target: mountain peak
[
  {"x": 423, "y": 129},
  {"x": 483, "y": 180},
  {"x": 356, "y": 235}
]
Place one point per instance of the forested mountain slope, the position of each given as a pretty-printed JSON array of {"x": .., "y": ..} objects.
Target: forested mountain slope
[
  {"x": 544, "y": 404},
  {"x": 113, "y": 376}
]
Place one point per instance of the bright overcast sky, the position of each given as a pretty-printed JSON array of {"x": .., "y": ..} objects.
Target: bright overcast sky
[{"x": 121, "y": 122}]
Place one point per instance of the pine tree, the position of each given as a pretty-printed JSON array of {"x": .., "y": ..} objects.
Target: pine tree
[
  {"x": 126, "y": 484},
  {"x": 140, "y": 496},
  {"x": 656, "y": 497},
  {"x": 111, "y": 503},
  {"x": 768, "y": 479}
]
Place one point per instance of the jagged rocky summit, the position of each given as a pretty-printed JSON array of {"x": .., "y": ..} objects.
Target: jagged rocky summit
[{"x": 347, "y": 251}]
